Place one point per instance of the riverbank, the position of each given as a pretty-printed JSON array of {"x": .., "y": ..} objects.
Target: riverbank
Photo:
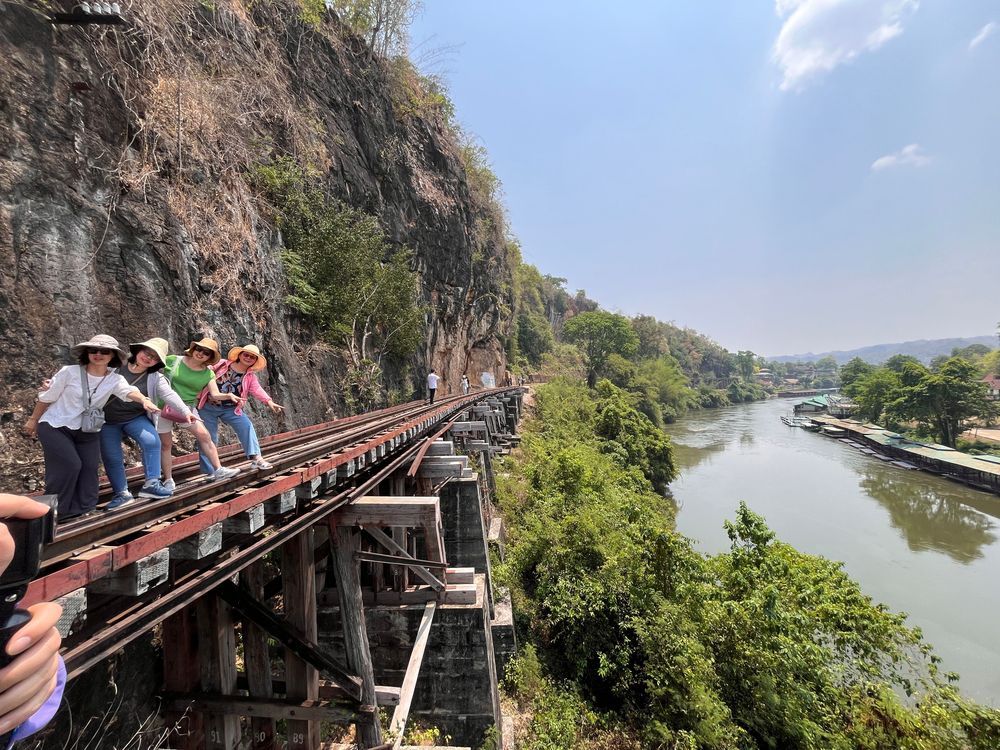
[
  {"x": 981, "y": 472},
  {"x": 916, "y": 541}
]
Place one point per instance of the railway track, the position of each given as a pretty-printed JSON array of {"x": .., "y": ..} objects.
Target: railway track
[
  {"x": 286, "y": 451},
  {"x": 88, "y": 549},
  {"x": 300, "y": 508}
]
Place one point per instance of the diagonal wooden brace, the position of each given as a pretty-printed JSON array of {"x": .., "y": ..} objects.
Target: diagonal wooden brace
[
  {"x": 254, "y": 611},
  {"x": 387, "y": 541}
]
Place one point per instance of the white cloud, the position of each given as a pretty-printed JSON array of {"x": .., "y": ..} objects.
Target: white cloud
[
  {"x": 984, "y": 33},
  {"x": 908, "y": 156},
  {"x": 820, "y": 35}
]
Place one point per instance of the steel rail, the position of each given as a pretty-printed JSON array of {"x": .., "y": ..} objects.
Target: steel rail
[
  {"x": 148, "y": 614},
  {"x": 187, "y": 465},
  {"x": 73, "y": 537},
  {"x": 92, "y": 562}
]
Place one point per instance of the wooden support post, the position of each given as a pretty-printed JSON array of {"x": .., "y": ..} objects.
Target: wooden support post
[
  {"x": 298, "y": 571},
  {"x": 217, "y": 655},
  {"x": 401, "y": 573},
  {"x": 346, "y": 541},
  {"x": 180, "y": 675},
  {"x": 257, "y": 660},
  {"x": 402, "y": 712}
]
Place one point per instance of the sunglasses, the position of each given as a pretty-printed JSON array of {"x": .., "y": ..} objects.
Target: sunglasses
[
  {"x": 202, "y": 350},
  {"x": 107, "y": 352},
  {"x": 248, "y": 355}
]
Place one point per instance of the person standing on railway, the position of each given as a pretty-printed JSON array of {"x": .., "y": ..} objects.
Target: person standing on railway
[
  {"x": 465, "y": 384},
  {"x": 432, "y": 384},
  {"x": 68, "y": 418},
  {"x": 125, "y": 418},
  {"x": 189, "y": 374},
  {"x": 237, "y": 375}
]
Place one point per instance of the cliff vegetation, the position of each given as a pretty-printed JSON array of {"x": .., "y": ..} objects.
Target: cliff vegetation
[{"x": 637, "y": 640}]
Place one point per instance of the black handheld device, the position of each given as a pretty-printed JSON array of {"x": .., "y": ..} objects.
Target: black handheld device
[{"x": 30, "y": 537}]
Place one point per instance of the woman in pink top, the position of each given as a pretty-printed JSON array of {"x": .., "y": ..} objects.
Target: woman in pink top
[{"x": 237, "y": 375}]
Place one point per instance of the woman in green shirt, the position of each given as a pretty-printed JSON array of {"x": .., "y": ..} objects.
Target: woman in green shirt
[{"x": 189, "y": 375}]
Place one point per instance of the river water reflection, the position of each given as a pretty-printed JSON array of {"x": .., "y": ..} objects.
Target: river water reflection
[{"x": 918, "y": 543}]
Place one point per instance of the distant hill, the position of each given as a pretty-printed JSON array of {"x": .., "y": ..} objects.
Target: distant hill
[{"x": 923, "y": 350}]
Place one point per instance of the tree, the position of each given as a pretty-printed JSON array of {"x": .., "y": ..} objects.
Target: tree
[
  {"x": 534, "y": 336},
  {"x": 943, "y": 400},
  {"x": 897, "y": 362},
  {"x": 600, "y": 334},
  {"x": 652, "y": 341},
  {"x": 344, "y": 275},
  {"x": 384, "y": 23},
  {"x": 874, "y": 391},
  {"x": 745, "y": 361}
]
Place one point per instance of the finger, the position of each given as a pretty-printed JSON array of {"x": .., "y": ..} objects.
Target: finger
[
  {"x": 6, "y": 547},
  {"x": 43, "y": 617},
  {"x": 19, "y": 704},
  {"x": 35, "y": 659},
  {"x": 18, "y": 506}
]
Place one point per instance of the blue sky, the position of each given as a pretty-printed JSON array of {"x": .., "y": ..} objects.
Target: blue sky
[{"x": 781, "y": 175}]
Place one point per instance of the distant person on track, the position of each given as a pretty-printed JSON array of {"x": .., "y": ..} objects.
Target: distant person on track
[
  {"x": 236, "y": 375},
  {"x": 189, "y": 374},
  {"x": 68, "y": 418},
  {"x": 432, "y": 384},
  {"x": 31, "y": 686},
  {"x": 126, "y": 418},
  {"x": 465, "y": 384}
]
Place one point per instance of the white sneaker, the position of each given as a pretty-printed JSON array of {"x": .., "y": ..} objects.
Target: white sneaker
[
  {"x": 260, "y": 463},
  {"x": 224, "y": 473},
  {"x": 169, "y": 485}
]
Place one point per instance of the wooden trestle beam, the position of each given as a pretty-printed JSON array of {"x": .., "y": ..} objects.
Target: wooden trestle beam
[
  {"x": 402, "y": 712},
  {"x": 286, "y": 635},
  {"x": 387, "y": 541},
  {"x": 217, "y": 655},
  {"x": 302, "y": 679},
  {"x": 346, "y": 542},
  {"x": 257, "y": 659}
]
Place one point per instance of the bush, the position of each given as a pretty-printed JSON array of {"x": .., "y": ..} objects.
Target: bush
[{"x": 633, "y": 633}]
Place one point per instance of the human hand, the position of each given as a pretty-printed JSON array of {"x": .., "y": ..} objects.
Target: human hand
[
  {"x": 276, "y": 408},
  {"x": 46, "y": 384},
  {"x": 28, "y": 681},
  {"x": 150, "y": 407},
  {"x": 30, "y": 428}
]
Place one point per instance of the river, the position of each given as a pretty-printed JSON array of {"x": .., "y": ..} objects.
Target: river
[{"x": 919, "y": 543}]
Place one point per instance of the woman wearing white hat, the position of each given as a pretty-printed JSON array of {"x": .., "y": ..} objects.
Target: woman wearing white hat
[
  {"x": 125, "y": 418},
  {"x": 68, "y": 417},
  {"x": 236, "y": 375}
]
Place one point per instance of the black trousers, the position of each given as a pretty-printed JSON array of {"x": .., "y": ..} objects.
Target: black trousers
[
  {"x": 432, "y": 391},
  {"x": 72, "y": 458}
]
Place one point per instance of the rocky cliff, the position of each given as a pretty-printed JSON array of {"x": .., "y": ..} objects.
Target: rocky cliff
[{"x": 126, "y": 205}]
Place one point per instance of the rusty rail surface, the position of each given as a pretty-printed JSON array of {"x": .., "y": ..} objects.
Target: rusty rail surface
[{"x": 372, "y": 445}]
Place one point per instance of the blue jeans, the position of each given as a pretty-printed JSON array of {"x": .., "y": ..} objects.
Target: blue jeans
[
  {"x": 143, "y": 432},
  {"x": 241, "y": 424}
]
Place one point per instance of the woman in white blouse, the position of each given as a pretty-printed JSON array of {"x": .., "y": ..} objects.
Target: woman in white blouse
[{"x": 71, "y": 445}]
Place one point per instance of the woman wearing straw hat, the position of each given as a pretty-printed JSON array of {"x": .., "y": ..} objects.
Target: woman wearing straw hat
[
  {"x": 237, "y": 375},
  {"x": 189, "y": 374},
  {"x": 68, "y": 418},
  {"x": 125, "y": 418}
]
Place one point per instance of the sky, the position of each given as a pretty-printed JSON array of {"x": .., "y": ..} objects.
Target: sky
[{"x": 781, "y": 175}]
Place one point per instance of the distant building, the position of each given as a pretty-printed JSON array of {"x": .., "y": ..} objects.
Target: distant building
[{"x": 993, "y": 384}]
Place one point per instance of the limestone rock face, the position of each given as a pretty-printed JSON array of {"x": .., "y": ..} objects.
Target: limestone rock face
[{"x": 126, "y": 205}]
